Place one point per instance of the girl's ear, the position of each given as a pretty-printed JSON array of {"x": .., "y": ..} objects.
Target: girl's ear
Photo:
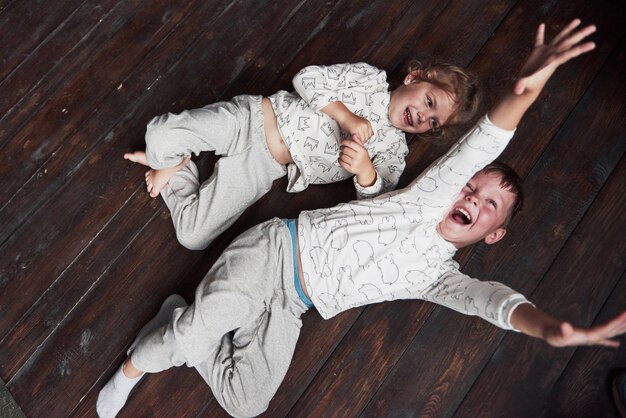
[{"x": 412, "y": 76}]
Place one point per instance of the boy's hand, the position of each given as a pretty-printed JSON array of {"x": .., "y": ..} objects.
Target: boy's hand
[
  {"x": 537, "y": 70},
  {"x": 566, "y": 335},
  {"x": 545, "y": 58},
  {"x": 355, "y": 159}
]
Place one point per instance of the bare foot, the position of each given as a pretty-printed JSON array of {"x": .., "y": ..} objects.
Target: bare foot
[
  {"x": 156, "y": 180},
  {"x": 137, "y": 157}
]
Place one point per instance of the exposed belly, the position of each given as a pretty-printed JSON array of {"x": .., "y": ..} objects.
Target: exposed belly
[{"x": 277, "y": 147}]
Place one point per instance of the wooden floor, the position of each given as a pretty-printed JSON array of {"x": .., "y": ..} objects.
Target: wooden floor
[{"x": 86, "y": 257}]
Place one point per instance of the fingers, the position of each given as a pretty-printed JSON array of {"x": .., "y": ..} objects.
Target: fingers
[
  {"x": 574, "y": 52},
  {"x": 539, "y": 36},
  {"x": 363, "y": 135},
  {"x": 614, "y": 327},
  {"x": 353, "y": 145},
  {"x": 567, "y": 330},
  {"x": 568, "y": 47},
  {"x": 566, "y": 31},
  {"x": 602, "y": 334},
  {"x": 608, "y": 343},
  {"x": 352, "y": 155},
  {"x": 357, "y": 138},
  {"x": 347, "y": 155},
  {"x": 572, "y": 40}
]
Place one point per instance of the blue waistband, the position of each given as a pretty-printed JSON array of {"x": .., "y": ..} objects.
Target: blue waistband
[{"x": 291, "y": 224}]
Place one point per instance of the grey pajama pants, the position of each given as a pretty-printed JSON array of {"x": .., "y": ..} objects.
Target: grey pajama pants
[
  {"x": 241, "y": 331},
  {"x": 243, "y": 174}
]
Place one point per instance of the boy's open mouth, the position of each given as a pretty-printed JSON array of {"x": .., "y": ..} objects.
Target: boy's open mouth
[
  {"x": 408, "y": 117},
  {"x": 461, "y": 216}
]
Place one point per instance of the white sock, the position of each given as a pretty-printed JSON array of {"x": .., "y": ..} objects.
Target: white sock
[{"x": 114, "y": 394}]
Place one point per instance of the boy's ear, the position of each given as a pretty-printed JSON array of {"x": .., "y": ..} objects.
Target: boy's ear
[
  {"x": 412, "y": 76},
  {"x": 495, "y": 236}
]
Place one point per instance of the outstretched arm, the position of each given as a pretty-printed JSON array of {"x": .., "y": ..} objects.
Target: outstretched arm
[
  {"x": 536, "y": 323},
  {"x": 537, "y": 70}
]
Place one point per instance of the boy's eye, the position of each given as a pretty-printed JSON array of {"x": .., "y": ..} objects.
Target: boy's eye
[
  {"x": 429, "y": 101},
  {"x": 434, "y": 124},
  {"x": 469, "y": 186},
  {"x": 492, "y": 203}
]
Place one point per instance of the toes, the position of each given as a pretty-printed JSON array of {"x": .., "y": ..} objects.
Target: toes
[{"x": 130, "y": 156}]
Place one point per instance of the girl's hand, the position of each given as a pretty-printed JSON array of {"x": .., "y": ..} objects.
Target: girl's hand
[
  {"x": 564, "y": 334},
  {"x": 546, "y": 58},
  {"x": 349, "y": 122},
  {"x": 355, "y": 159},
  {"x": 358, "y": 127}
]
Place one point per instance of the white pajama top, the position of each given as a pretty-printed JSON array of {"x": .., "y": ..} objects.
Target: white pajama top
[
  {"x": 387, "y": 248},
  {"x": 313, "y": 138}
]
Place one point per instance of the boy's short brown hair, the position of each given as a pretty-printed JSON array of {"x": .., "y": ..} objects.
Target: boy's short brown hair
[
  {"x": 459, "y": 83},
  {"x": 511, "y": 181}
]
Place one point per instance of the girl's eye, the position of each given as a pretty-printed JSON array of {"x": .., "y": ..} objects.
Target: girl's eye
[
  {"x": 492, "y": 203},
  {"x": 469, "y": 186},
  {"x": 429, "y": 102},
  {"x": 433, "y": 123}
]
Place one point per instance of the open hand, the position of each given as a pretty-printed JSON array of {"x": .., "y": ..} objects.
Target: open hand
[
  {"x": 565, "y": 334},
  {"x": 545, "y": 58}
]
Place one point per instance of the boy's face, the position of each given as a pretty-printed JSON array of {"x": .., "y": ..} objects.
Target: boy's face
[
  {"x": 478, "y": 213},
  {"x": 419, "y": 106}
]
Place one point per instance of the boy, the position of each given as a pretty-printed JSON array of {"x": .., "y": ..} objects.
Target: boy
[
  {"x": 241, "y": 331},
  {"x": 341, "y": 122}
]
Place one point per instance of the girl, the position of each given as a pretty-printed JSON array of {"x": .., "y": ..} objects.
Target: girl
[{"x": 341, "y": 121}]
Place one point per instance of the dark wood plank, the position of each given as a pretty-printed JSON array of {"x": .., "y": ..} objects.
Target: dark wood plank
[
  {"x": 21, "y": 104},
  {"x": 584, "y": 388},
  {"x": 94, "y": 335},
  {"x": 29, "y": 77},
  {"x": 24, "y": 26},
  {"x": 40, "y": 234},
  {"x": 32, "y": 150}
]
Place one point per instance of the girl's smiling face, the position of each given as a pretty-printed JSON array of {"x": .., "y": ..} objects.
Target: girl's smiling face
[
  {"x": 478, "y": 213},
  {"x": 419, "y": 106}
]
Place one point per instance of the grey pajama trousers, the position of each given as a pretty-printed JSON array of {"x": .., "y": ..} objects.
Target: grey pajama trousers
[
  {"x": 244, "y": 173},
  {"x": 242, "y": 329}
]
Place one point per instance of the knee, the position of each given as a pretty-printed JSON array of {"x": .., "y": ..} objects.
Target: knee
[
  {"x": 158, "y": 135},
  {"x": 242, "y": 393},
  {"x": 190, "y": 241},
  {"x": 243, "y": 407}
]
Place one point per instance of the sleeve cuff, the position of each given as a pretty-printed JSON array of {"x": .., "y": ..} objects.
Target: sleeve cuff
[
  {"x": 488, "y": 126},
  {"x": 511, "y": 307},
  {"x": 370, "y": 191}
]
